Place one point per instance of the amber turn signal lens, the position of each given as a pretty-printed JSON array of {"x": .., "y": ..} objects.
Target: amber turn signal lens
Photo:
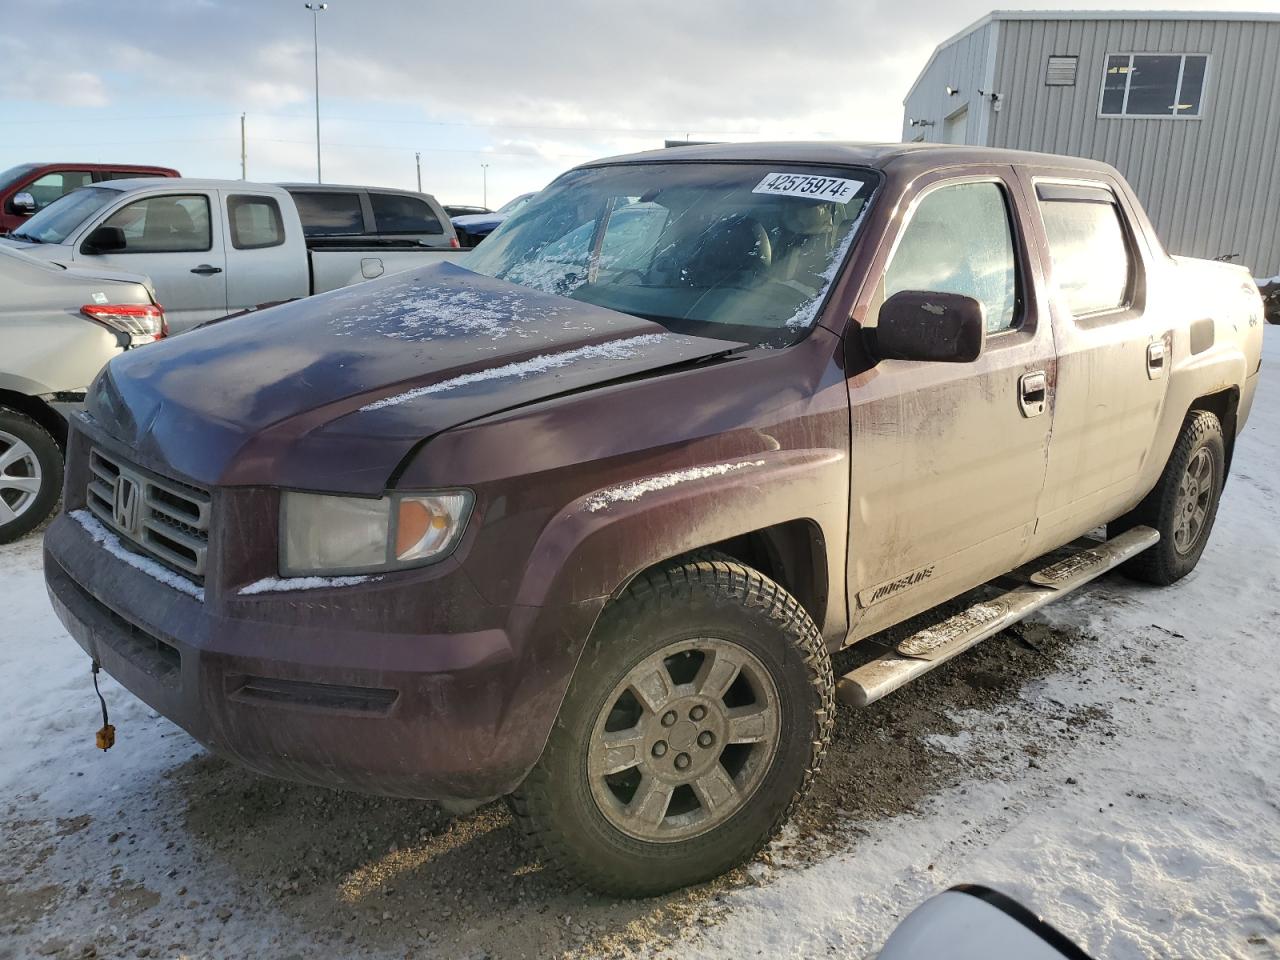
[{"x": 426, "y": 525}]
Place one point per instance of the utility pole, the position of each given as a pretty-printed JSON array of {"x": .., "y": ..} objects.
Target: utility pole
[
  {"x": 315, "y": 9},
  {"x": 484, "y": 173},
  {"x": 243, "y": 153},
  {"x": 417, "y": 159}
]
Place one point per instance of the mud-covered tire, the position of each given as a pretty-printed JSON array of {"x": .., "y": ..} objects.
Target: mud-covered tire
[
  {"x": 674, "y": 606},
  {"x": 1175, "y": 556},
  {"x": 28, "y": 454}
]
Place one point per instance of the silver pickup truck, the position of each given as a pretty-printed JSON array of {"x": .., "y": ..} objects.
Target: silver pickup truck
[{"x": 215, "y": 247}]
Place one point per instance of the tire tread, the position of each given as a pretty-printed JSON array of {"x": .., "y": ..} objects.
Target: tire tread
[{"x": 712, "y": 573}]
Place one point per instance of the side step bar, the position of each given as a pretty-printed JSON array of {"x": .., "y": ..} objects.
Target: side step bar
[{"x": 934, "y": 646}]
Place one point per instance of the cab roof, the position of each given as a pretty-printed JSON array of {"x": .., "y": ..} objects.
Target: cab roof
[{"x": 909, "y": 157}]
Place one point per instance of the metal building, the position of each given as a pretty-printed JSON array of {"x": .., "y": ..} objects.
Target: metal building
[{"x": 1185, "y": 105}]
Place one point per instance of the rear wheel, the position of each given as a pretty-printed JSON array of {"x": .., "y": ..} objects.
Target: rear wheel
[
  {"x": 698, "y": 717},
  {"x": 30, "y": 474},
  {"x": 1183, "y": 504}
]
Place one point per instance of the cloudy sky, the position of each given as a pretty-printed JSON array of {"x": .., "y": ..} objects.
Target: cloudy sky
[{"x": 529, "y": 88}]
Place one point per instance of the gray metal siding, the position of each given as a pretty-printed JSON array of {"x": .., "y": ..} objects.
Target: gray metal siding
[
  {"x": 962, "y": 65},
  {"x": 1211, "y": 185}
]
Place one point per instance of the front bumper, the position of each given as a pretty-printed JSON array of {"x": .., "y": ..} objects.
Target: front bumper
[{"x": 355, "y": 698}]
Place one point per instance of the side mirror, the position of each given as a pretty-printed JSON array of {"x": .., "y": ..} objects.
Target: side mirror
[
  {"x": 971, "y": 922},
  {"x": 915, "y": 325},
  {"x": 104, "y": 240},
  {"x": 23, "y": 203}
]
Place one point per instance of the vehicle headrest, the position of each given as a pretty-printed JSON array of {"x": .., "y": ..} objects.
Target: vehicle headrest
[{"x": 806, "y": 219}]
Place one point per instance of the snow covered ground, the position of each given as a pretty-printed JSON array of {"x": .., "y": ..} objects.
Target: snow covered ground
[{"x": 1115, "y": 766}]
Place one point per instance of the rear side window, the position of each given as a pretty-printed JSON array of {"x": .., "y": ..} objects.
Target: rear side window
[
  {"x": 52, "y": 186},
  {"x": 172, "y": 224},
  {"x": 1092, "y": 265},
  {"x": 255, "y": 222},
  {"x": 959, "y": 240},
  {"x": 396, "y": 213},
  {"x": 326, "y": 214}
]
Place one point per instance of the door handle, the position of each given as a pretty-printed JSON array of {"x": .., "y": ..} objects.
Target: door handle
[
  {"x": 1155, "y": 359},
  {"x": 1033, "y": 393},
  {"x": 206, "y": 269}
]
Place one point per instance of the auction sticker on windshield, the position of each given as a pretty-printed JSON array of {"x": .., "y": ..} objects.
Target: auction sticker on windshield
[{"x": 835, "y": 189}]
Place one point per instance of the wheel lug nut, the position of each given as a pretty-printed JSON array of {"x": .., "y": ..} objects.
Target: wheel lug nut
[
  {"x": 705, "y": 739},
  {"x": 668, "y": 718},
  {"x": 660, "y": 748},
  {"x": 698, "y": 712},
  {"x": 682, "y": 761}
]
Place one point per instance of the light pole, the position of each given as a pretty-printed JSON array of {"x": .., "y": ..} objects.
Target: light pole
[
  {"x": 484, "y": 173},
  {"x": 417, "y": 162},
  {"x": 315, "y": 9}
]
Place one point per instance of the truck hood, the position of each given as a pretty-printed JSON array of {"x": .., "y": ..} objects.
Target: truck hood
[
  {"x": 332, "y": 392},
  {"x": 58, "y": 252}
]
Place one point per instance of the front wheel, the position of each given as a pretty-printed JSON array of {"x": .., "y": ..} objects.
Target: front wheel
[
  {"x": 1183, "y": 504},
  {"x": 697, "y": 718},
  {"x": 30, "y": 474}
]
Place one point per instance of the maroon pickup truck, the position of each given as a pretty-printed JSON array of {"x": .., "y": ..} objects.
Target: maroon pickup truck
[
  {"x": 30, "y": 187},
  {"x": 580, "y": 520}
]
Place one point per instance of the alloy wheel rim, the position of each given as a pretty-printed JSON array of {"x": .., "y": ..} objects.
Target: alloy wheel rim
[
  {"x": 20, "y": 477},
  {"x": 683, "y": 740},
  {"x": 1191, "y": 509}
]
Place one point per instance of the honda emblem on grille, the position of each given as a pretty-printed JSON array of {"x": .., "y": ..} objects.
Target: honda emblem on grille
[{"x": 126, "y": 507}]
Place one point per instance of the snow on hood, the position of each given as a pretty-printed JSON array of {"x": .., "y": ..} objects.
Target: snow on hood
[{"x": 331, "y": 392}]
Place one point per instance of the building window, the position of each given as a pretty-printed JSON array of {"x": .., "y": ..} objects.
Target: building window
[{"x": 1153, "y": 85}]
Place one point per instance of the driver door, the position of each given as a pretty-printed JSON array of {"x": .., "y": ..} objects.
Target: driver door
[
  {"x": 170, "y": 238},
  {"x": 948, "y": 459}
]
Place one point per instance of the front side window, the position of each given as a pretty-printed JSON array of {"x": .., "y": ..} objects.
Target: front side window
[
  {"x": 1153, "y": 85},
  {"x": 958, "y": 240},
  {"x": 1092, "y": 266},
  {"x": 53, "y": 186},
  {"x": 176, "y": 224},
  {"x": 329, "y": 213},
  {"x": 395, "y": 213},
  {"x": 739, "y": 251},
  {"x": 255, "y": 222}
]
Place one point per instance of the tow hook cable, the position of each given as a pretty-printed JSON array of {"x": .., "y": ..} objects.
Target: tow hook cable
[{"x": 106, "y": 737}]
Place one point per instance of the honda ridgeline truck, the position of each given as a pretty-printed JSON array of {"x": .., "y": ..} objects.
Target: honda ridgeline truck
[{"x": 582, "y": 522}]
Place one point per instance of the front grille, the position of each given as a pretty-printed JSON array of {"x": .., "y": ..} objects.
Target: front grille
[{"x": 167, "y": 519}]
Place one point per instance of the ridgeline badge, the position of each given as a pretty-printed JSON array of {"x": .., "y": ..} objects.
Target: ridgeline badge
[{"x": 886, "y": 590}]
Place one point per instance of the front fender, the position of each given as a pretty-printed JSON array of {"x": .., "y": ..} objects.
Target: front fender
[{"x": 600, "y": 541}]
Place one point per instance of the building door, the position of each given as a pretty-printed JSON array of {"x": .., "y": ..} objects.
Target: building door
[{"x": 955, "y": 127}]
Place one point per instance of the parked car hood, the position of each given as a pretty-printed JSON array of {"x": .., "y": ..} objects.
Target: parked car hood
[
  {"x": 41, "y": 251},
  {"x": 332, "y": 392},
  {"x": 473, "y": 220}
]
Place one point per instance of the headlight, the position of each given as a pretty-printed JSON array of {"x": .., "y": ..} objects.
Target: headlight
[{"x": 320, "y": 534}]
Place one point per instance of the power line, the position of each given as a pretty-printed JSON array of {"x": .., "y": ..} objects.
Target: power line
[{"x": 675, "y": 128}]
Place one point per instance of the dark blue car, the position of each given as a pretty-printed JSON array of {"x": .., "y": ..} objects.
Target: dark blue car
[{"x": 474, "y": 228}]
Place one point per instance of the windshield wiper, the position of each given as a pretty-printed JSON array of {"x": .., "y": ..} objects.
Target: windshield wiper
[{"x": 26, "y": 238}]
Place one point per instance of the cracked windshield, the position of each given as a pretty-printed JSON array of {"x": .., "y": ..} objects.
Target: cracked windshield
[{"x": 736, "y": 251}]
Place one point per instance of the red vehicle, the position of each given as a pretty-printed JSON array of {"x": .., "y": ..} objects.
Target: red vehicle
[{"x": 30, "y": 187}]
